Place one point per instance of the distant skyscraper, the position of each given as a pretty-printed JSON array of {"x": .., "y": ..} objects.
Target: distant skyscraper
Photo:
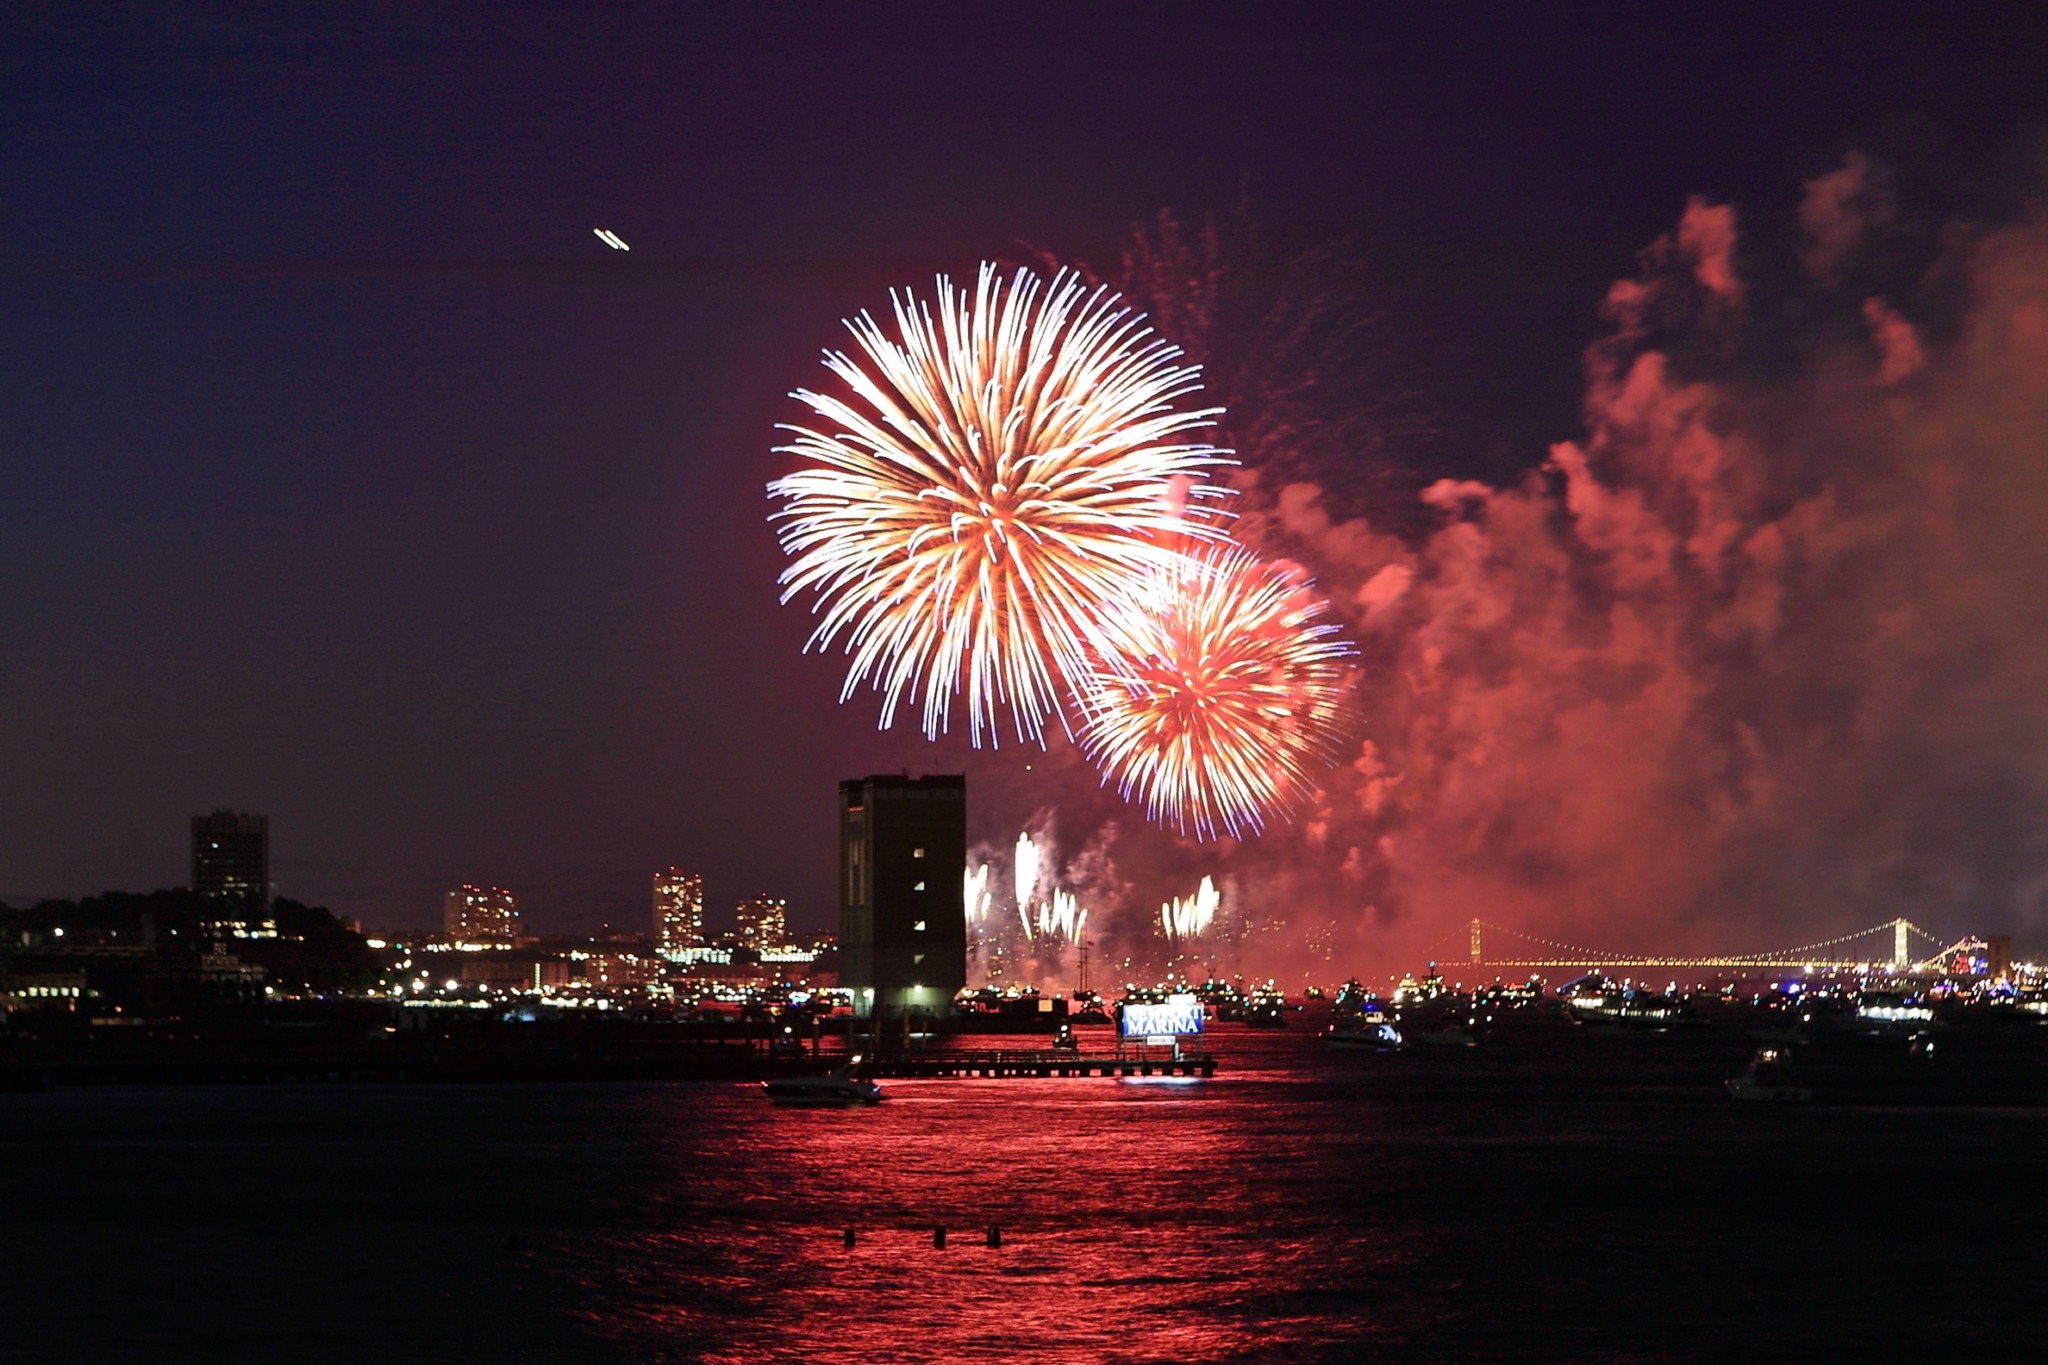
[
  {"x": 678, "y": 911},
  {"x": 479, "y": 914},
  {"x": 231, "y": 856},
  {"x": 902, "y": 917},
  {"x": 764, "y": 922}
]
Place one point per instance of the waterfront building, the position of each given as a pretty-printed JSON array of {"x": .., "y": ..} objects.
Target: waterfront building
[
  {"x": 764, "y": 922},
  {"x": 510, "y": 972},
  {"x": 481, "y": 916},
  {"x": 902, "y": 922},
  {"x": 47, "y": 992},
  {"x": 613, "y": 971},
  {"x": 678, "y": 912}
]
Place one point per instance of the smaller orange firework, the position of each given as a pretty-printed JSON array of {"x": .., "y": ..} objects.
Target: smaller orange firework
[{"x": 1224, "y": 696}]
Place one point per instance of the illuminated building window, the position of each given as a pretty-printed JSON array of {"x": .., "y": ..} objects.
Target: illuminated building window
[
  {"x": 917, "y": 853},
  {"x": 918, "y": 887},
  {"x": 918, "y": 927}
]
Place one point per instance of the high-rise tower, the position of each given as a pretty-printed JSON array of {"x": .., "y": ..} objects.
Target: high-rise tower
[
  {"x": 764, "y": 922},
  {"x": 481, "y": 914},
  {"x": 902, "y": 919},
  {"x": 231, "y": 867},
  {"x": 231, "y": 856},
  {"x": 678, "y": 911}
]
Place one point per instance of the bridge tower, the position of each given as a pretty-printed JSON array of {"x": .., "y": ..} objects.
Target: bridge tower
[
  {"x": 1475, "y": 942},
  {"x": 1901, "y": 950}
]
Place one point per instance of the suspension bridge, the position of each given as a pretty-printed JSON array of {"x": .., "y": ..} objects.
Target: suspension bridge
[{"x": 1833, "y": 954}]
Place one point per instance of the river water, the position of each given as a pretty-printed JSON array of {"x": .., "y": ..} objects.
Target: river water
[{"x": 1296, "y": 1207}]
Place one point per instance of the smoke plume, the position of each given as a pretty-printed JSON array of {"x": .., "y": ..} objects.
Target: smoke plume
[{"x": 1761, "y": 657}]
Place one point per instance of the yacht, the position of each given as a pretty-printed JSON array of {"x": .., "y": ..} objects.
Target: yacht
[
  {"x": 1768, "y": 1078},
  {"x": 838, "y": 1087},
  {"x": 1364, "y": 1033},
  {"x": 1601, "y": 1005},
  {"x": 1891, "y": 1013}
]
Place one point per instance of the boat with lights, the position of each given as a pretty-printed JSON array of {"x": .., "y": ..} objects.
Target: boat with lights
[
  {"x": 838, "y": 1087},
  {"x": 1768, "y": 1078},
  {"x": 1366, "y": 1033},
  {"x": 1891, "y": 1014},
  {"x": 1600, "y": 1005}
]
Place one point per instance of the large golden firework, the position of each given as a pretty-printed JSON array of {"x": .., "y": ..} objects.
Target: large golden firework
[
  {"x": 1005, "y": 463},
  {"x": 1222, "y": 695}
]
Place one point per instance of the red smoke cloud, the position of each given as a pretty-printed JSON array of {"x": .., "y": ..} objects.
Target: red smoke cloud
[{"x": 1760, "y": 658}]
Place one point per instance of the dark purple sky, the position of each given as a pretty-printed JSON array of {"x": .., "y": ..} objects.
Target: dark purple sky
[{"x": 346, "y": 477}]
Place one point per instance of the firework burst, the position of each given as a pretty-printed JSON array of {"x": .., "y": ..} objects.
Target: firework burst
[
  {"x": 1222, "y": 696},
  {"x": 1007, "y": 460}
]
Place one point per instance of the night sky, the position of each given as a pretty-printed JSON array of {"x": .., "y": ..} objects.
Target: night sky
[{"x": 347, "y": 477}]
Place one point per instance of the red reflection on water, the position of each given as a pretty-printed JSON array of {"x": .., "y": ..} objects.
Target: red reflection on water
[{"x": 1139, "y": 1219}]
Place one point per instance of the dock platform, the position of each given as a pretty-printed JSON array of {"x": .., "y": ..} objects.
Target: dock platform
[{"x": 1038, "y": 1063}]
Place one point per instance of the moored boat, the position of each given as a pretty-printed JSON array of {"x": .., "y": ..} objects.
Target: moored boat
[
  {"x": 1366, "y": 1033},
  {"x": 837, "y": 1087},
  {"x": 1768, "y": 1078}
]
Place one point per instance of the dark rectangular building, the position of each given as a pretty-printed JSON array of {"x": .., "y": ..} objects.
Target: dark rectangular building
[
  {"x": 231, "y": 856},
  {"x": 902, "y": 920}
]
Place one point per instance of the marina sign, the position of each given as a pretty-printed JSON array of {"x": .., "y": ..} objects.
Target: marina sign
[{"x": 1182, "y": 1014}]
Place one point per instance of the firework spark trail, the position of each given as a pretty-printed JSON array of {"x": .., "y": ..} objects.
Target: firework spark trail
[
  {"x": 1186, "y": 917},
  {"x": 1059, "y": 918},
  {"x": 976, "y": 896},
  {"x": 1064, "y": 917},
  {"x": 1057, "y": 914},
  {"x": 1009, "y": 460},
  {"x": 1024, "y": 877},
  {"x": 1226, "y": 695}
]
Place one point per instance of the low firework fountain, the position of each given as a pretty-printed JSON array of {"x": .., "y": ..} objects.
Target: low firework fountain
[
  {"x": 1024, "y": 873},
  {"x": 1188, "y": 917},
  {"x": 976, "y": 896},
  {"x": 1056, "y": 921}
]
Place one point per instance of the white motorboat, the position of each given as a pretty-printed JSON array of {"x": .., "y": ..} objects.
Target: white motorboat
[
  {"x": 1768, "y": 1078},
  {"x": 836, "y": 1087},
  {"x": 1367, "y": 1033}
]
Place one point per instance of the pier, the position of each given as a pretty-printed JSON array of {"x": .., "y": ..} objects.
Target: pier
[{"x": 1039, "y": 1063}]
